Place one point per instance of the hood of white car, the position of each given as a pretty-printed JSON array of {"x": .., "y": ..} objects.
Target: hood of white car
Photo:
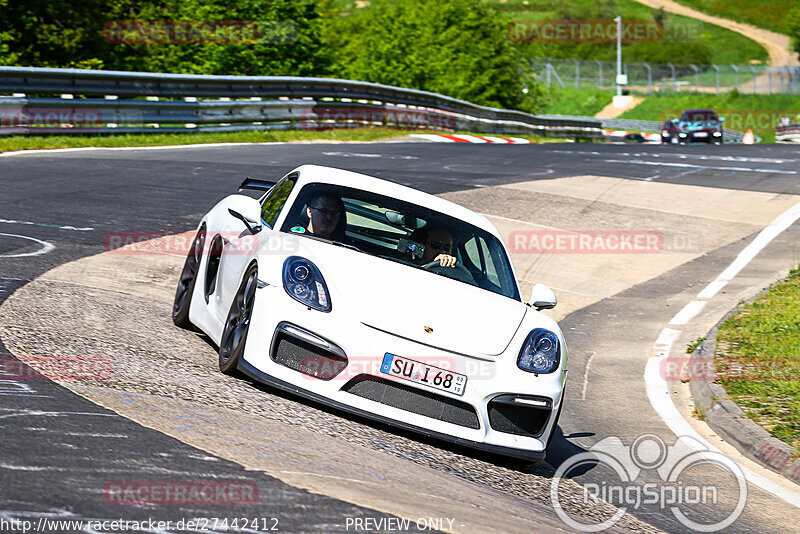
[{"x": 416, "y": 304}]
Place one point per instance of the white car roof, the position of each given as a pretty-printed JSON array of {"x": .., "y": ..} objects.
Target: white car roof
[{"x": 330, "y": 175}]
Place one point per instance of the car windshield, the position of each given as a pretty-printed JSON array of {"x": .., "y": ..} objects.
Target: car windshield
[
  {"x": 697, "y": 116},
  {"x": 401, "y": 232}
]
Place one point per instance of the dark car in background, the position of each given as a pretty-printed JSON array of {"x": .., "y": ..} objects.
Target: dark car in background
[{"x": 694, "y": 126}]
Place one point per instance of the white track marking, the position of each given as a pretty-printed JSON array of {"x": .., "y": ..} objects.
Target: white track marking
[
  {"x": 704, "y": 157},
  {"x": 46, "y": 225},
  {"x": 688, "y": 312},
  {"x": 526, "y": 222},
  {"x": 365, "y": 155},
  {"x": 692, "y": 166},
  {"x": 46, "y": 247},
  {"x": 433, "y": 137},
  {"x": 470, "y": 138},
  {"x": 586, "y": 374},
  {"x": 657, "y": 386},
  {"x": 24, "y": 413},
  {"x": 666, "y": 339},
  {"x": 781, "y": 223}
]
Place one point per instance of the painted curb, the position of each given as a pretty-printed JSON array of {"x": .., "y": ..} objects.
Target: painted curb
[{"x": 728, "y": 420}]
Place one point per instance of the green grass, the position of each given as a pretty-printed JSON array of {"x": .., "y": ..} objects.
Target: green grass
[
  {"x": 759, "y": 113},
  {"x": 9, "y": 144},
  {"x": 769, "y": 14},
  {"x": 726, "y": 46},
  {"x": 758, "y": 360},
  {"x": 584, "y": 102},
  {"x": 691, "y": 347}
]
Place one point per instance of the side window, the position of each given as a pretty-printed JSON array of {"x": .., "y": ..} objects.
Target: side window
[
  {"x": 471, "y": 248},
  {"x": 275, "y": 199}
]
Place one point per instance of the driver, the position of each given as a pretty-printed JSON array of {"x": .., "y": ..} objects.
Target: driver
[
  {"x": 438, "y": 243},
  {"x": 324, "y": 212}
]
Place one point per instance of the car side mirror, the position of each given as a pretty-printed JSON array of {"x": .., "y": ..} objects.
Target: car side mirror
[
  {"x": 542, "y": 297},
  {"x": 247, "y": 210}
]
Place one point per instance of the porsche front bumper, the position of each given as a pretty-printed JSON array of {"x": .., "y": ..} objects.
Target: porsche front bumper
[{"x": 487, "y": 416}]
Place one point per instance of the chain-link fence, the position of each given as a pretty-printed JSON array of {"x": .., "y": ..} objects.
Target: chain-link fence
[{"x": 649, "y": 77}]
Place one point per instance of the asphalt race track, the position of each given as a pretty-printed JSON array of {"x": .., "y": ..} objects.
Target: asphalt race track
[{"x": 166, "y": 414}]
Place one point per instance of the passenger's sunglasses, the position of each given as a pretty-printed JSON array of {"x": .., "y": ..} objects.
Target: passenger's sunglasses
[
  {"x": 325, "y": 212},
  {"x": 444, "y": 247}
]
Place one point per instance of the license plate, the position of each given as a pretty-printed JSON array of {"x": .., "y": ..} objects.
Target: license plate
[
  {"x": 424, "y": 374},
  {"x": 701, "y": 134}
]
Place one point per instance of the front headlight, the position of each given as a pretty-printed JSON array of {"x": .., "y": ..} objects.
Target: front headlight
[
  {"x": 540, "y": 353},
  {"x": 304, "y": 283}
]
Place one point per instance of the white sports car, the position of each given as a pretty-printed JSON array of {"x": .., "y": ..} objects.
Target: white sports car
[{"x": 379, "y": 300}]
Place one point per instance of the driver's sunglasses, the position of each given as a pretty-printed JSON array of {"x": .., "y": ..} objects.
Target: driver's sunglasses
[
  {"x": 444, "y": 247},
  {"x": 325, "y": 212}
]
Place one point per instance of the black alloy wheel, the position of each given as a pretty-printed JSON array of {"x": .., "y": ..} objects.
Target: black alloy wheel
[
  {"x": 232, "y": 343},
  {"x": 186, "y": 283}
]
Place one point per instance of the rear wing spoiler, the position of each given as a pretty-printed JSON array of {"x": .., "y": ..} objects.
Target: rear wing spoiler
[{"x": 256, "y": 184}]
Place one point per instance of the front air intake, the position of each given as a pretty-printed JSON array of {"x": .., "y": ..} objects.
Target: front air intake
[{"x": 414, "y": 400}]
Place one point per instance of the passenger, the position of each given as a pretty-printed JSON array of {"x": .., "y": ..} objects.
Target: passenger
[
  {"x": 325, "y": 216},
  {"x": 438, "y": 242}
]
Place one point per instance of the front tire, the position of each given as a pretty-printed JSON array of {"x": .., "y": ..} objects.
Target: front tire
[
  {"x": 187, "y": 281},
  {"x": 237, "y": 324}
]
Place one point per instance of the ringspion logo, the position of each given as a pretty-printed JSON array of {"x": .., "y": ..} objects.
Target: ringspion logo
[{"x": 684, "y": 485}]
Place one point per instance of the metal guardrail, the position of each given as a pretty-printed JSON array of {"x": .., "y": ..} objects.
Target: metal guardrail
[{"x": 81, "y": 101}]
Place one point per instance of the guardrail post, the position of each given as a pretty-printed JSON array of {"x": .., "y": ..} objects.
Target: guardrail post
[
  {"x": 548, "y": 68},
  {"x": 577, "y": 74},
  {"x": 674, "y": 81},
  {"x": 769, "y": 75},
  {"x": 649, "y": 78},
  {"x": 717, "y": 69},
  {"x": 696, "y": 70},
  {"x": 755, "y": 84},
  {"x": 736, "y": 70},
  {"x": 599, "y": 73}
]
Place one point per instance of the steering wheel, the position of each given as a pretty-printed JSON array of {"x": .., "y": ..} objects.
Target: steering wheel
[{"x": 457, "y": 271}]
